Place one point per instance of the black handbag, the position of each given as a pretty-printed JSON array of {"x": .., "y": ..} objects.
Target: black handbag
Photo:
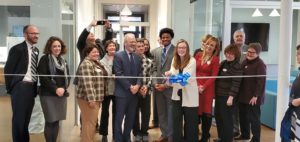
[{"x": 285, "y": 129}]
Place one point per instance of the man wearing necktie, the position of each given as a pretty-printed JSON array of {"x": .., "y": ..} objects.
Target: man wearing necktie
[
  {"x": 21, "y": 82},
  {"x": 162, "y": 58},
  {"x": 126, "y": 64}
]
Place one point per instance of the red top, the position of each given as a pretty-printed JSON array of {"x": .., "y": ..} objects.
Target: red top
[{"x": 210, "y": 68}]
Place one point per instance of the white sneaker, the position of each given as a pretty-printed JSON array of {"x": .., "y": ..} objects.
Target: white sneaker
[
  {"x": 145, "y": 138},
  {"x": 137, "y": 138}
]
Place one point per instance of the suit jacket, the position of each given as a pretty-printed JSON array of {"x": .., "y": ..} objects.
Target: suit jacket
[
  {"x": 121, "y": 67},
  {"x": 158, "y": 68},
  {"x": 91, "y": 88},
  {"x": 17, "y": 63},
  {"x": 48, "y": 86}
]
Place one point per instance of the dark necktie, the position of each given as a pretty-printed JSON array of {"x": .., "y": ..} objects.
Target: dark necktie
[
  {"x": 163, "y": 56},
  {"x": 131, "y": 60},
  {"x": 34, "y": 55}
]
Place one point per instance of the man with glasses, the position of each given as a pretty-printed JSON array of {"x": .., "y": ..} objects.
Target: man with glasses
[
  {"x": 21, "y": 81},
  {"x": 239, "y": 39}
]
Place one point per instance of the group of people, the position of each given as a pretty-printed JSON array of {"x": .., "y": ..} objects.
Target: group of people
[
  {"x": 129, "y": 77},
  {"x": 21, "y": 79}
]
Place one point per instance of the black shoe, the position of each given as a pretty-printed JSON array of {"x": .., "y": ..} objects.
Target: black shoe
[
  {"x": 236, "y": 134},
  {"x": 104, "y": 139},
  {"x": 217, "y": 140},
  {"x": 97, "y": 128},
  {"x": 242, "y": 138}
]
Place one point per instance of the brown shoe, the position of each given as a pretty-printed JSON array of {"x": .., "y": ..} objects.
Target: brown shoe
[
  {"x": 153, "y": 126},
  {"x": 161, "y": 139}
]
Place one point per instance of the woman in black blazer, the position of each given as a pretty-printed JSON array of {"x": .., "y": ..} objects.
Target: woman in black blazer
[{"x": 53, "y": 89}]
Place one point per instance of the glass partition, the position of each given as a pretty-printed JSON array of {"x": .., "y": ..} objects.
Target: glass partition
[{"x": 53, "y": 18}]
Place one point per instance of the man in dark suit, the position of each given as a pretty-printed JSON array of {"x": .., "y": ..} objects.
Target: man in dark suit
[
  {"x": 126, "y": 63},
  {"x": 162, "y": 58},
  {"x": 21, "y": 81}
]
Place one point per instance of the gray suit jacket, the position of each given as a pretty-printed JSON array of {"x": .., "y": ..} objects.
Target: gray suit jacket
[{"x": 158, "y": 68}]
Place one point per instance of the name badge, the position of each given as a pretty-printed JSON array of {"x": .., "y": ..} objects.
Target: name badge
[
  {"x": 224, "y": 70},
  {"x": 97, "y": 70}
]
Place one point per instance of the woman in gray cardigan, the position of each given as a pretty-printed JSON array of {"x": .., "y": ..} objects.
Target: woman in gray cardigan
[{"x": 107, "y": 62}]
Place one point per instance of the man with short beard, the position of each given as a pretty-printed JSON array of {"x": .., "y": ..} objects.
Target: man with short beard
[{"x": 21, "y": 81}]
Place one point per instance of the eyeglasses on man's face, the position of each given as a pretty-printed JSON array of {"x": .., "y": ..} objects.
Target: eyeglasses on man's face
[{"x": 33, "y": 33}]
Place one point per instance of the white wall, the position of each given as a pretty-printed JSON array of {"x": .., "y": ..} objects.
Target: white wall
[
  {"x": 270, "y": 56},
  {"x": 85, "y": 14},
  {"x": 164, "y": 16},
  {"x": 182, "y": 14}
]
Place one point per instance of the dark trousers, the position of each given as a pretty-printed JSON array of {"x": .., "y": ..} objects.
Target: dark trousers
[
  {"x": 103, "y": 130},
  {"x": 154, "y": 107},
  {"x": 125, "y": 108},
  {"x": 236, "y": 118},
  {"x": 22, "y": 102},
  {"x": 143, "y": 106},
  {"x": 51, "y": 131},
  {"x": 250, "y": 118},
  {"x": 205, "y": 126},
  {"x": 187, "y": 130},
  {"x": 224, "y": 120}
]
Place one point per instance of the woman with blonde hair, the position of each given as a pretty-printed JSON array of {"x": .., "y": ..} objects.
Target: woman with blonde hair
[{"x": 207, "y": 64}]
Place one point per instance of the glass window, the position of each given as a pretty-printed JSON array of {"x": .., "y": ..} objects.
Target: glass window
[{"x": 53, "y": 18}]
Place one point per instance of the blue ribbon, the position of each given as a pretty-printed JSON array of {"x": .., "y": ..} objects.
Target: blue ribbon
[{"x": 180, "y": 78}]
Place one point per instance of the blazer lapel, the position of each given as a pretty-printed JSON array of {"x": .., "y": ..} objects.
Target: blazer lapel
[
  {"x": 25, "y": 50},
  {"x": 126, "y": 56}
]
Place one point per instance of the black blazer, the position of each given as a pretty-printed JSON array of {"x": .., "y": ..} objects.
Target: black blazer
[
  {"x": 17, "y": 63},
  {"x": 48, "y": 86},
  {"x": 121, "y": 67}
]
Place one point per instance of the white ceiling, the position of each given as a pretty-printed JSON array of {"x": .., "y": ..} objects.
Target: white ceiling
[{"x": 117, "y": 8}]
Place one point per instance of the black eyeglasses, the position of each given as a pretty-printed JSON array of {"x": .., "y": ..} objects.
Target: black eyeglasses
[
  {"x": 33, "y": 33},
  {"x": 251, "y": 52}
]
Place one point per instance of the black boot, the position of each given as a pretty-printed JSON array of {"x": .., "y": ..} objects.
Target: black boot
[{"x": 206, "y": 124}]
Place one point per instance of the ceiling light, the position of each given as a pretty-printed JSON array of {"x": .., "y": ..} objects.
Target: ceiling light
[
  {"x": 125, "y": 11},
  {"x": 274, "y": 13},
  {"x": 66, "y": 9},
  {"x": 256, "y": 13}
]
